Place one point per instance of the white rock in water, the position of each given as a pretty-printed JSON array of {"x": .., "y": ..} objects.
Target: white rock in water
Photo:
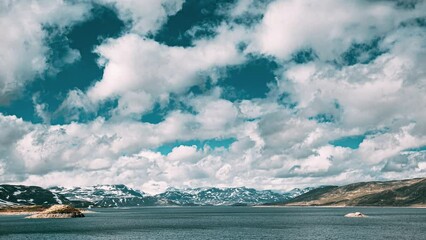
[{"x": 355, "y": 214}]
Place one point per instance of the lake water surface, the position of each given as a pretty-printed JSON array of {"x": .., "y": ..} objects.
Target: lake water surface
[{"x": 224, "y": 223}]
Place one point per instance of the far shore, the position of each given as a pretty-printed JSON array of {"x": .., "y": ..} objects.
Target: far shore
[
  {"x": 25, "y": 211},
  {"x": 335, "y": 206},
  {"x": 28, "y": 210},
  {"x": 12, "y": 213}
]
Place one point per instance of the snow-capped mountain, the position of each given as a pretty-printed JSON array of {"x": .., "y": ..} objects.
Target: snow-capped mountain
[
  {"x": 97, "y": 193},
  {"x": 107, "y": 196},
  {"x": 122, "y": 196},
  {"x": 222, "y": 196},
  {"x": 28, "y": 195}
]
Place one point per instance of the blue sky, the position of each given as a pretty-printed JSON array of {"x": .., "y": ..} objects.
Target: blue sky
[{"x": 270, "y": 94}]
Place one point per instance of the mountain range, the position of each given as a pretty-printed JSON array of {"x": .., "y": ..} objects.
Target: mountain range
[
  {"x": 227, "y": 196},
  {"x": 123, "y": 196},
  {"x": 409, "y": 192},
  {"x": 107, "y": 196},
  {"x": 29, "y": 195}
]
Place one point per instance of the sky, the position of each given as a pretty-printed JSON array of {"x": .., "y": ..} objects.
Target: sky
[{"x": 269, "y": 94}]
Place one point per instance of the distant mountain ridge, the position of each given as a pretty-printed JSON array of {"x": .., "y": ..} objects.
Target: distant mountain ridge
[
  {"x": 409, "y": 192},
  {"x": 97, "y": 193},
  {"x": 29, "y": 195},
  {"x": 122, "y": 196},
  {"x": 108, "y": 196},
  {"x": 226, "y": 196}
]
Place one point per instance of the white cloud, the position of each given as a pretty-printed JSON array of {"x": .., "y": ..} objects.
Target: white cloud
[
  {"x": 12, "y": 130},
  {"x": 23, "y": 50},
  {"x": 379, "y": 94},
  {"x": 41, "y": 109},
  {"x": 224, "y": 172},
  {"x": 406, "y": 161},
  {"x": 292, "y": 25},
  {"x": 217, "y": 115},
  {"x": 146, "y": 16},
  {"x": 140, "y": 71},
  {"x": 276, "y": 146},
  {"x": 184, "y": 154},
  {"x": 378, "y": 148},
  {"x": 75, "y": 104}
]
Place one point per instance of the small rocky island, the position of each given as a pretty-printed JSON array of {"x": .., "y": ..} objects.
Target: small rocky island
[
  {"x": 355, "y": 215},
  {"x": 59, "y": 211}
]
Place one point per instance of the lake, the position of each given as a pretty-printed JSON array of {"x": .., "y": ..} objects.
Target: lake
[{"x": 224, "y": 223}]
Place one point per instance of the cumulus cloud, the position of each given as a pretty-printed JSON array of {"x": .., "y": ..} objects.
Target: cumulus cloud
[
  {"x": 12, "y": 130},
  {"x": 282, "y": 141},
  {"x": 291, "y": 25},
  {"x": 144, "y": 16},
  {"x": 75, "y": 105},
  {"x": 23, "y": 50},
  {"x": 184, "y": 153},
  {"x": 406, "y": 161},
  {"x": 26, "y": 27},
  {"x": 139, "y": 71}
]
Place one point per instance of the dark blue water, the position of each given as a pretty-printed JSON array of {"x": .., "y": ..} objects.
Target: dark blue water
[{"x": 224, "y": 223}]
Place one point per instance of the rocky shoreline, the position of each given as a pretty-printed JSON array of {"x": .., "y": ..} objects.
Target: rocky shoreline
[
  {"x": 55, "y": 211},
  {"x": 58, "y": 211}
]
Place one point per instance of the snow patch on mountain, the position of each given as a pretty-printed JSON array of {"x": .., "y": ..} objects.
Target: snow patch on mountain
[
  {"x": 28, "y": 195},
  {"x": 97, "y": 193},
  {"x": 6, "y": 203},
  {"x": 223, "y": 196},
  {"x": 106, "y": 195},
  {"x": 123, "y": 196}
]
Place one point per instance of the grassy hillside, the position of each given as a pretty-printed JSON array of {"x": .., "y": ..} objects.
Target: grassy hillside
[{"x": 410, "y": 192}]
